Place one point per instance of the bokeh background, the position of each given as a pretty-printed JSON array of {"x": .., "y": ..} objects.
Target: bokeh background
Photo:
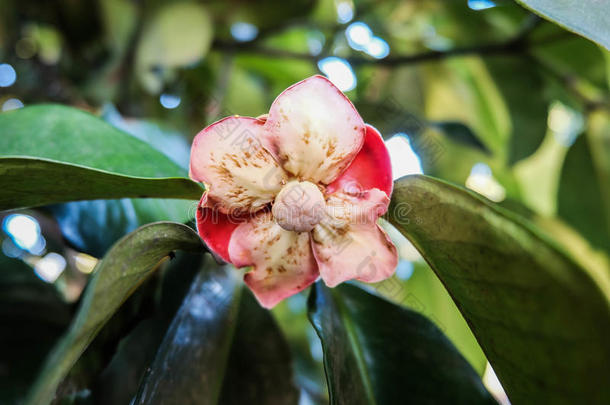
[{"x": 481, "y": 93}]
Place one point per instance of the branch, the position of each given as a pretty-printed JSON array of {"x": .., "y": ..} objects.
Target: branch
[
  {"x": 513, "y": 45},
  {"x": 590, "y": 102}
]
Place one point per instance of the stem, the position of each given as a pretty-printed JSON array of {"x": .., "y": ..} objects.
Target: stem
[{"x": 516, "y": 44}]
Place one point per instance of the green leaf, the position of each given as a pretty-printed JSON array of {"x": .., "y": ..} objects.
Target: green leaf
[
  {"x": 580, "y": 200},
  {"x": 80, "y": 221},
  {"x": 119, "y": 382},
  {"x": 32, "y": 317},
  {"x": 424, "y": 293},
  {"x": 291, "y": 316},
  {"x": 458, "y": 132},
  {"x": 179, "y": 34},
  {"x": 463, "y": 90},
  {"x": 53, "y": 153},
  {"x": 378, "y": 353},
  {"x": 222, "y": 347},
  {"x": 573, "y": 56},
  {"x": 31, "y": 182},
  {"x": 588, "y": 18},
  {"x": 541, "y": 318},
  {"x": 123, "y": 269},
  {"x": 523, "y": 91}
]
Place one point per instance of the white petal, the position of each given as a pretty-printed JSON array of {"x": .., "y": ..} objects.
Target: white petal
[
  {"x": 283, "y": 261},
  {"x": 240, "y": 174},
  {"x": 313, "y": 130},
  {"x": 348, "y": 243}
]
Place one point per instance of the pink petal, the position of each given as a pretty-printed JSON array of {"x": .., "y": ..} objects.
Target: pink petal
[
  {"x": 370, "y": 169},
  {"x": 283, "y": 261},
  {"x": 215, "y": 228},
  {"x": 348, "y": 243},
  {"x": 240, "y": 174},
  {"x": 313, "y": 130}
]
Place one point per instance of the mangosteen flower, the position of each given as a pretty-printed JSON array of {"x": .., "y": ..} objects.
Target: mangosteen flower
[{"x": 296, "y": 194}]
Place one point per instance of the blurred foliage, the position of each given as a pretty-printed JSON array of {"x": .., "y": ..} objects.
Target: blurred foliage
[{"x": 499, "y": 100}]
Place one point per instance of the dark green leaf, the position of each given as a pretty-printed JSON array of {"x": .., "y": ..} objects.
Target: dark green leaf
[
  {"x": 80, "y": 221},
  {"x": 378, "y": 353},
  {"x": 573, "y": 56},
  {"x": 259, "y": 369},
  {"x": 523, "y": 92},
  {"x": 541, "y": 318},
  {"x": 52, "y": 153},
  {"x": 222, "y": 348},
  {"x": 580, "y": 200},
  {"x": 31, "y": 182},
  {"x": 588, "y": 18},
  {"x": 123, "y": 269},
  {"x": 32, "y": 317},
  {"x": 458, "y": 132},
  {"x": 119, "y": 382},
  {"x": 424, "y": 293}
]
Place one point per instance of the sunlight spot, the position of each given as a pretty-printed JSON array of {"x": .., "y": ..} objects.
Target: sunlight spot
[
  {"x": 305, "y": 399},
  {"x": 404, "y": 270},
  {"x": 491, "y": 382},
  {"x": 482, "y": 181},
  {"x": 8, "y": 76},
  {"x": 338, "y": 71},
  {"x": 345, "y": 11},
  {"x": 358, "y": 35},
  {"x": 565, "y": 123},
  {"x": 480, "y": 4},
  {"x": 378, "y": 48},
  {"x": 243, "y": 31},
  {"x": 50, "y": 267},
  {"x": 404, "y": 159},
  {"x": 406, "y": 250},
  {"x": 169, "y": 101},
  {"x": 12, "y": 104},
  {"x": 85, "y": 263},
  {"x": 25, "y": 233}
]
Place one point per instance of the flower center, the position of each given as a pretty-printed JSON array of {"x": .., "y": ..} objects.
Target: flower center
[{"x": 299, "y": 206}]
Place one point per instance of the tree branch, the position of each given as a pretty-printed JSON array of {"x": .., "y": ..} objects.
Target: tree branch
[
  {"x": 511, "y": 46},
  {"x": 517, "y": 44}
]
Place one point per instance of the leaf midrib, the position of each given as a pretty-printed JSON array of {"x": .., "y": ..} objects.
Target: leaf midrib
[
  {"x": 357, "y": 349},
  {"x": 234, "y": 311}
]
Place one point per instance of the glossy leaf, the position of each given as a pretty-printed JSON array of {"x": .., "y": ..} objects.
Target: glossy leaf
[
  {"x": 540, "y": 317},
  {"x": 120, "y": 380},
  {"x": 424, "y": 293},
  {"x": 51, "y": 153},
  {"x": 123, "y": 269},
  {"x": 376, "y": 352},
  {"x": 34, "y": 182},
  {"x": 222, "y": 348},
  {"x": 588, "y": 18},
  {"x": 80, "y": 221}
]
